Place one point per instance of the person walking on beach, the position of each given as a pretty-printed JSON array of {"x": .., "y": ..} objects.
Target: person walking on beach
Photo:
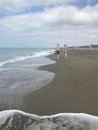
[
  {"x": 58, "y": 49},
  {"x": 65, "y": 51}
]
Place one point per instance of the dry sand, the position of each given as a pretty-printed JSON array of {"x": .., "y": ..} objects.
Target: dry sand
[{"x": 74, "y": 88}]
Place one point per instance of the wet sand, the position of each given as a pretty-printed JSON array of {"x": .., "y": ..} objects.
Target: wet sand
[{"x": 74, "y": 88}]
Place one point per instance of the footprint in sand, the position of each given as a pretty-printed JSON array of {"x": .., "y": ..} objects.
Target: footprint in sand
[{"x": 68, "y": 68}]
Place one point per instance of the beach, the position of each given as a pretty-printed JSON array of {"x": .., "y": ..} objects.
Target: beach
[
  {"x": 57, "y": 95},
  {"x": 74, "y": 88}
]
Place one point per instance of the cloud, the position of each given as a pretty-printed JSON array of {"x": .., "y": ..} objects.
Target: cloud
[
  {"x": 18, "y": 5},
  {"x": 87, "y": 15},
  {"x": 11, "y": 5},
  {"x": 62, "y": 23},
  {"x": 52, "y": 18}
]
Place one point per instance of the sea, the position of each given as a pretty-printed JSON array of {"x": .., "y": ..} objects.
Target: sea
[{"x": 19, "y": 76}]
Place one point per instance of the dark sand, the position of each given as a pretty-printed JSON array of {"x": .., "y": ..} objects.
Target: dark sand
[{"x": 74, "y": 88}]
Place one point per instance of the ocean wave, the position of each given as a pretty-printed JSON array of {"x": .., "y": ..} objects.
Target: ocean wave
[
  {"x": 21, "y": 58},
  {"x": 18, "y": 120}
]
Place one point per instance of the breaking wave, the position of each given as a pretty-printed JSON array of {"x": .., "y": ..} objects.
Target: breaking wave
[
  {"x": 21, "y": 58},
  {"x": 18, "y": 120}
]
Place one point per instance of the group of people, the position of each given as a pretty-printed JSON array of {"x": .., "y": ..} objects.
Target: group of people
[{"x": 58, "y": 50}]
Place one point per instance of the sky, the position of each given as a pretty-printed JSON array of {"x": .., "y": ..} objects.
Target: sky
[{"x": 44, "y": 23}]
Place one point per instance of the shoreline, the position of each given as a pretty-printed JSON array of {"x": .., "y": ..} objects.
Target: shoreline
[{"x": 74, "y": 88}]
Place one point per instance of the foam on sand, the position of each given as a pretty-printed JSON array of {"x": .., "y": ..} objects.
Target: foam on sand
[{"x": 18, "y": 120}]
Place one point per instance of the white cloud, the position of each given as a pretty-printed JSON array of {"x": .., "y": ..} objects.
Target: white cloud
[
  {"x": 17, "y": 5},
  {"x": 11, "y": 5},
  {"x": 52, "y": 18},
  {"x": 63, "y": 23}
]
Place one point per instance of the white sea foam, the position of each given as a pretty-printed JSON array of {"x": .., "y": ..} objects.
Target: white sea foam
[
  {"x": 15, "y": 119},
  {"x": 21, "y": 58},
  {"x": 44, "y": 53},
  {"x": 16, "y": 82}
]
